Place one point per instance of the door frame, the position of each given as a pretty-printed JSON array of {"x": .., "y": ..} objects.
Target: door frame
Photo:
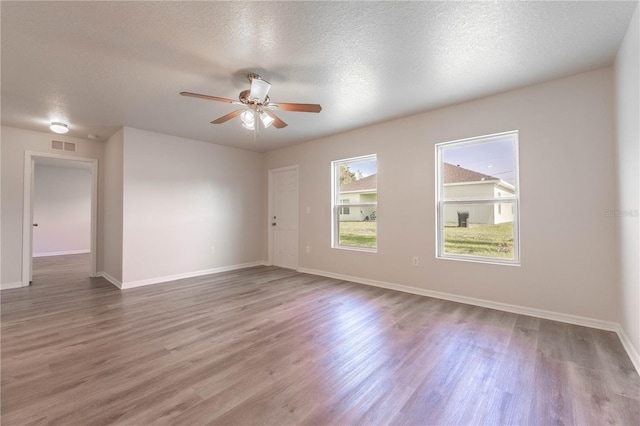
[
  {"x": 272, "y": 172},
  {"x": 27, "y": 209}
]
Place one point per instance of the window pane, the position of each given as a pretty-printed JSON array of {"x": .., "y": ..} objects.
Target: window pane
[
  {"x": 362, "y": 233},
  {"x": 479, "y": 170},
  {"x": 483, "y": 229},
  {"x": 355, "y": 195},
  {"x": 358, "y": 181}
]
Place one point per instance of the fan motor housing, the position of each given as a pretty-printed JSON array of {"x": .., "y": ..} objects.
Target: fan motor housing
[{"x": 244, "y": 98}]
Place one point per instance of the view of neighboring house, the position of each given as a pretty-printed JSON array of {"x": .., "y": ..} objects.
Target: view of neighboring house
[
  {"x": 464, "y": 183},
  {"x": 359, "y": 191}
]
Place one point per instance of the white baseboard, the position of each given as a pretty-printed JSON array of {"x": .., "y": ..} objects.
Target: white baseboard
[
  {"x": 516, "y": 309},
  {"x": 111, "y": 279},
  {"x": 165, "y": 279},
  {"x": 8, "y": 286},
  {"x": 631, "y": 351},
  {"x": 61, "y": 253}
]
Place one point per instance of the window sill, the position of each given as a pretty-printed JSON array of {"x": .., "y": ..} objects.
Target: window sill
[
  {"x": 361, "y": 249},
  {"x": 479, "y": 259}
]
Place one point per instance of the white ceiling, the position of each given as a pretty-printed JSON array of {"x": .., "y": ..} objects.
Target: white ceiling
[{"x": 101, "y": 65}]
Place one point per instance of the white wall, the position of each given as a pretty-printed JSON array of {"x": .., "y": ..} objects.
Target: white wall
[
  {"x": 112, "y": 213},
  {"x": 62, "y": 210},
  {"x": 567, "y": 141},
  {"x": 627, "y": 215},
  {"x": 182, "y": 197},
  {"x": 14, "y": 144}
]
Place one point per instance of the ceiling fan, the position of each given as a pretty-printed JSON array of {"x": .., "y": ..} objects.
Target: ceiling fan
[{"x": 257, "y": 107}]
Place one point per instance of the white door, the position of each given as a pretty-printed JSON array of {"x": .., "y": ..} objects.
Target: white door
[{"x": 284, "y": 217}]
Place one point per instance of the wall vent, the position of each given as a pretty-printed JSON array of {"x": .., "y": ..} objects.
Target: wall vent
[{"x": 63, "y": 146}]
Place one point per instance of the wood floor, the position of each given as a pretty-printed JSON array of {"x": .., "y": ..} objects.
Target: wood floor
[{"x": 271, "y": 346}]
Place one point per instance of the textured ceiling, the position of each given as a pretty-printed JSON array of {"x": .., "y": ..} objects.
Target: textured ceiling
[{"x": 101, "y": 65}]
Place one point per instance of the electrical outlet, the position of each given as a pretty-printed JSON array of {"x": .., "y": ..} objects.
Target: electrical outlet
[
  {"x": 308, "y": 249},
  {"x": 414, "y": 261},
  {"x": 212, "y": 249}
]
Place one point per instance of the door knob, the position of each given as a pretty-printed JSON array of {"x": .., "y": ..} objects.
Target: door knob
[{"x": 35, "y": 224}]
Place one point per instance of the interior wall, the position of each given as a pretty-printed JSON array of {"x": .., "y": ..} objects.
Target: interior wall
[
  {"x": 14, "y": 144},
  {"x": 567, "y": 178},
  {"x": 627, "y": 213},
  {"x": 62, "y": 210},
  {"x": 112, "y": 213},
  {"x": 189, "y": 206}
]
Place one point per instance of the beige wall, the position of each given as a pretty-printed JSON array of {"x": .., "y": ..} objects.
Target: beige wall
[
  {"x": 566, "y": 142},
  {"x": 112, "y": 212},
  {"x": 182, "y": 197},
  {"x": 14, "y": 144},
  {"x": 627, "y": 215},
  {"x": 163, "y": 202}
]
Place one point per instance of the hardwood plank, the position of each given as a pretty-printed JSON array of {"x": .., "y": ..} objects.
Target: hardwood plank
[{"x": 273, "y": 346}]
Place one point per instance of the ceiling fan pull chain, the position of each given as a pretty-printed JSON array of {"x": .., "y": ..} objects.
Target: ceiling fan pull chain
[{"x": 256, "y": 125}]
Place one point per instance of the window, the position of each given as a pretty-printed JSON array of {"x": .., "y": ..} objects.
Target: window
[
  {"x": 345, "y": 210},
  {"x": 477, "y": 199},
  {"x": 355, "y": 203}
]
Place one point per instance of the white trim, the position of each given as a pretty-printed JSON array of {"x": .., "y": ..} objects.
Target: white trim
[
  {"x": 158, "y": 280},
  {"x": 631, "y": 351},
  {"x": 363, "y": 191},
  {"x": 61, "y": 253},
  {"x": 497, "y": 182},
  {"x": 478, "y": 259},
  {"x": 27, "y": 229},
  {"x": 9, "y": 286},
  {"x": 111, "y": 279},
  {"x": 506, "y": 307}
]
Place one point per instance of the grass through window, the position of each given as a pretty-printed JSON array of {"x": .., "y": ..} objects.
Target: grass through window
[
  {"x": 479, "y": 240},
  {"x": 358, "y": 234}
]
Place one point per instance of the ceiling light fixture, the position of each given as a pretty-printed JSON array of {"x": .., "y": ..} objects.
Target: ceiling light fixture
[
  {"x": 259, "y": 88},
  {"x": 248, "y": 119},
  {"x": 267, "y": 120},
  {"x": 58, "y": 127}
]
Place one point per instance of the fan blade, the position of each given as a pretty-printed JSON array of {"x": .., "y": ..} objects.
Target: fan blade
[
  {"x": 296, "y": 107},
  {"x": 227, "y": 117},
  {"x": 259, "y": 89},
  {"x": 211, "y": 98},
  {"x": 277, "y": 122}
]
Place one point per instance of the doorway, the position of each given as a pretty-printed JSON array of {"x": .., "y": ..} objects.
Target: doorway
[
  {"x": 283, "y": 217},
  {"x": 68, "y": 163}
]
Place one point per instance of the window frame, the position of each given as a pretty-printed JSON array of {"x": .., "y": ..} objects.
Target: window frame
[
  {"x": 337, "y": 205},
  {"x": 441, "y": 202}
]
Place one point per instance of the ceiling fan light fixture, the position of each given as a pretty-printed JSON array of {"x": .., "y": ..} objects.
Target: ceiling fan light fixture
[
  {"x": 257, "y": 106},
  {"x": 266, "y": 119},
  {"x": 259, "y": 89},
  {"x": 248, "y": 119},
  {"x": 58, "y": 127}
]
